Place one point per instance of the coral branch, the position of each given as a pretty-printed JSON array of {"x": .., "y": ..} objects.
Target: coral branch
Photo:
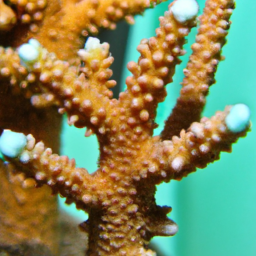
[
  {"x": 36, "y": 19},
  {"x": 38, "y": 162},
  {"x": 204, "y": 141},
  {"x": 93, "y": 14},
  {"x": 200, "y": 145},
  {"x": 199, "y": 73},
  {"x": 82, "y": 93},
  {"x": 156, "y": 65}
]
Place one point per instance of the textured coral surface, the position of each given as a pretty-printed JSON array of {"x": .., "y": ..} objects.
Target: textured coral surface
[
  {"x": 19, "y": 21},
  {"x": 119, "y": 195}
]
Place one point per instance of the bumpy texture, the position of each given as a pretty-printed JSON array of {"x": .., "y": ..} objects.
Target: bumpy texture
[
  {"x": 119, "y": 196},
  {"x": 20, "y": 21},
  {"x": 73, "y": 20}
]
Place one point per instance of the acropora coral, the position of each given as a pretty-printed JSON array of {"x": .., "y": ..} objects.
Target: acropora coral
[
  {"x": 54, "y": 23},
  {"x": 120, "y": 195}
]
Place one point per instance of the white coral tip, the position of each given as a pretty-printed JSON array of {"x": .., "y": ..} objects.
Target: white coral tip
[
  {"x": 29, "y": 53},
  {"x": 34, "y": 43},
  {"x": 185, "y": 10},
  {"x": 238, "y": 118},
  {"x": 92, "y": 43},
  {"x": 177, "y": 163},
  {"x": 171, "y": 229},
  {"x": 24, "y": 157},
  {"x": 12, "y": 143}
]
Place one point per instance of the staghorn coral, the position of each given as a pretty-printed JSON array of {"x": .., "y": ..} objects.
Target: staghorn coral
[
  {"x": 19, "y": 21},
  {"x": 119, "y": 196}
]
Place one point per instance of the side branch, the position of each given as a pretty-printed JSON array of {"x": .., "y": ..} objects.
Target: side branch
[
  {"x": 59, "y": 172},
  {"x": 201, "y": 68},
  {"x": 92, "y": 15},
  {"x": 106, "y": 13},
  {"x": 202, "y": 143},
  {"x": 156, "y": 65},
  {"x": 81, "y": 92}
]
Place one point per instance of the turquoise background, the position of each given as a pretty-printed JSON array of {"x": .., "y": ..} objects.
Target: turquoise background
[{"x": 215, "y": 208}]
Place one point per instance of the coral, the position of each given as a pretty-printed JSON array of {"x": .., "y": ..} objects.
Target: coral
[
  {"x": 36, "y": 19},
  {"x": 20, "y": 21},
  {"x": 119, "y": 196}
]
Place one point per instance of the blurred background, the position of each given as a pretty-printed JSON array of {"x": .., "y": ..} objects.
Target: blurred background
[{"x": 215, "y": 208}]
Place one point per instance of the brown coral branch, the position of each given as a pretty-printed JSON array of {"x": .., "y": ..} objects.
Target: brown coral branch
[{"x": 201, "y": 68}]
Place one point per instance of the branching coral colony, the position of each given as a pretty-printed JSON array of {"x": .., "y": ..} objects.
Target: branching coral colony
[
  {"x": 119, "y": 196},
  {"x": 21, "y": 214}
]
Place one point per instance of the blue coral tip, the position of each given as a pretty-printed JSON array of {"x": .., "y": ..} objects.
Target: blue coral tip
[
  {"x": 238, "y": 118},
  {"x": 12, "y": 143}
]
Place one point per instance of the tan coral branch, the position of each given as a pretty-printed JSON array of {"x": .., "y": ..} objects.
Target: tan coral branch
[
  {"x": 155, "y": 68},
  {"x": 92, "y": 15},
  {"x": 200, "y": 145},
  {"x": 58, "y": 172},
  {"x": 81, "y": 92}
]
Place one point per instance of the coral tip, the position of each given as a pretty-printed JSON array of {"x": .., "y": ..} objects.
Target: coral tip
[
  {"x": 185, "y": 10},
  {"x": 238, "y": 118},
  {"x": 29, "y": 53},
  {"x": 12, "y": 143}
]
